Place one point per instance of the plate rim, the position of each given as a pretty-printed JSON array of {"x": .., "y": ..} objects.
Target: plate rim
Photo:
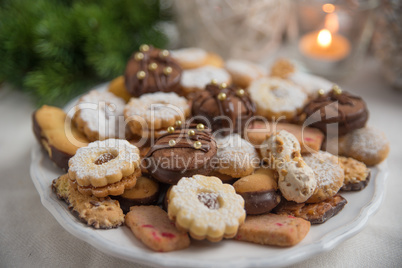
[{"x": 325, "y": 244}]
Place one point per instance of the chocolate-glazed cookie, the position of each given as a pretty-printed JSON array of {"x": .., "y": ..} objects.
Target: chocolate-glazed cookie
[
  {"x": 151, "y": 70},
  {"x": 182, "y": 152},
  {"x": 315, "y": 213},
  {"x": 337, "y": 106},
  {"x": 259, "y": 192},
  {"x": 223, "y": 107}
]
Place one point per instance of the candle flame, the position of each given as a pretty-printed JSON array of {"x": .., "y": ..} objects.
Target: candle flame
[
  {"x": 328, "y": 8},
  {"x": 324, "y": 38},
  {"x": 332, "y": 22}
]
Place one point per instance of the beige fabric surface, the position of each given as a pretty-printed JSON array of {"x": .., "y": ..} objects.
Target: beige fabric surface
[{"x": 31, "y": 237}]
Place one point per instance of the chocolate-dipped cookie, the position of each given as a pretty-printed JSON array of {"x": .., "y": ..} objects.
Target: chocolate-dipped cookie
[
  {"x": 315, "y": 213},
  {"x": 259, "y": 192},
  {"x": 337, "y": 106},
  {"x": 151, "y": 70},
  {"x": 357, "y": 175},
  {"x": 49, "y": 127},
  {"x": 181, "y": 152},
  {"x": 223, "y": 106},
  {"x": 145, "y": 192}
]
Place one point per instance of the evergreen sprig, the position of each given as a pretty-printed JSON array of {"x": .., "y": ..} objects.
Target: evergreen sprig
[{"x": 56, "y": 49}]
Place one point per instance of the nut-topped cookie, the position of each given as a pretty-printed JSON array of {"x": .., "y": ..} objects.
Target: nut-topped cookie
[
  {"x": 151, "y": 70},
  {"x": 182, "y": 152},
  {"x": 337, "y": 106},
  {"x": 224, "y": 107}
]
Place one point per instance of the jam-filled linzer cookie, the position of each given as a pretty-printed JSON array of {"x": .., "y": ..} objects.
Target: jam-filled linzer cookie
[
  {"x": 277, "y": 98},
  {"x": 105, "y": 168},
  {"x": 56, "y": 135},
  {"x": 337, "y": 106},
  {"x": 152, "y": 70},
  {"x": 224, "y": 107},
  {"x": 206, "y": 207},
  {"x": 182, "y": 152}
]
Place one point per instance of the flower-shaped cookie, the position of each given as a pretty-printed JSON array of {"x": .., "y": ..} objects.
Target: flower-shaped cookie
[
  {"x": 104, "y": 162},
  {"x": 206, "y": 208}
]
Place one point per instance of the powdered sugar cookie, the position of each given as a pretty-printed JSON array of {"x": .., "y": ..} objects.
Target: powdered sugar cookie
[
  {"x": 277, "y": 98},
  {"x": 328, "y": 173},
  {"x": 151, "y": 114},
  {"x": 311, "y": 84},
  {"x": 105, "y": 167},
  {"x": 196, "y": 79},
  {"x": 190, "y": 58},
  {"x": 151, "y": 225},
  {"x": 206, "y": 208},
  {"x": 368, "y": 145},
  {"x": 103, "y": 213},
  {"x": 244, "y": 72},
  {"x": 99, "y": 115},
  {"x": 296, "y": 181},
  {"x": 236, "y": 156},
  {"x": 193, "y": 57}
]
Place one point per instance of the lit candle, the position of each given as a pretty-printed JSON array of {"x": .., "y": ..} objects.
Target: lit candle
[{"x": 324, "y": 45}]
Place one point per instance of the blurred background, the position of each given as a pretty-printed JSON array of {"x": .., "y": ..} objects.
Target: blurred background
[{"x": 55, "y": 49}]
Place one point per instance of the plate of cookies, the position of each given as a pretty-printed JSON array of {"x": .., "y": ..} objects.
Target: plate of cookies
[{"x": 190, "y": 160}]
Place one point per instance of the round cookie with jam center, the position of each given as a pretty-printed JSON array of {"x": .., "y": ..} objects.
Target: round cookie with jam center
[
  {"x": 224, "y": 107},
  {"x": 337, "y": 106},
  {"x": 152, "y": 70},
  {"x": 182, "y": 152},
  {"x": 259, "y": 192}
]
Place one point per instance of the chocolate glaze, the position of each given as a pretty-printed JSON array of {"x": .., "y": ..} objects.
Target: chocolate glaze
[
  {"x": 323, "y": 211},
  {"x": 237, "y": 108},
  {"x": 197, "y": 159},
  {"x": 260, "y": 202},
  {"x": 349, "y": 111},
  {"x": 356, "y": 186},
  {"x": 60, "y": 158},
  {"x": 155, "y": 80}
]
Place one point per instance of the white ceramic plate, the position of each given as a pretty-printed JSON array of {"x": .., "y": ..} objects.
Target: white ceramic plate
[{"x": 121, "y": 242}]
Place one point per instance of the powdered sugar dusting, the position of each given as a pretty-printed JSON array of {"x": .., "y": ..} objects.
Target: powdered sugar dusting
[
  {"x": 156, "y": 106},
  {"x": 277, "y": 95},
  {"x": 200, "y": 77},
  {"x": 311, "y": 83},
  {"x": 367, "y": 141},
  {"x": 185, "y": 203},
  {"x": 102, "y": 111},
  {"x": 189, "y": 55},
  {"x": 234, "y": 148},
  {"x": 243, "y": 67},
  {"x": 82, "y": 164},
  {"x": 325, "y": 167}
]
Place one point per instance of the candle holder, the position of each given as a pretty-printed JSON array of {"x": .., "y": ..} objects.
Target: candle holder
[{"x": 334, "y": 35}]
